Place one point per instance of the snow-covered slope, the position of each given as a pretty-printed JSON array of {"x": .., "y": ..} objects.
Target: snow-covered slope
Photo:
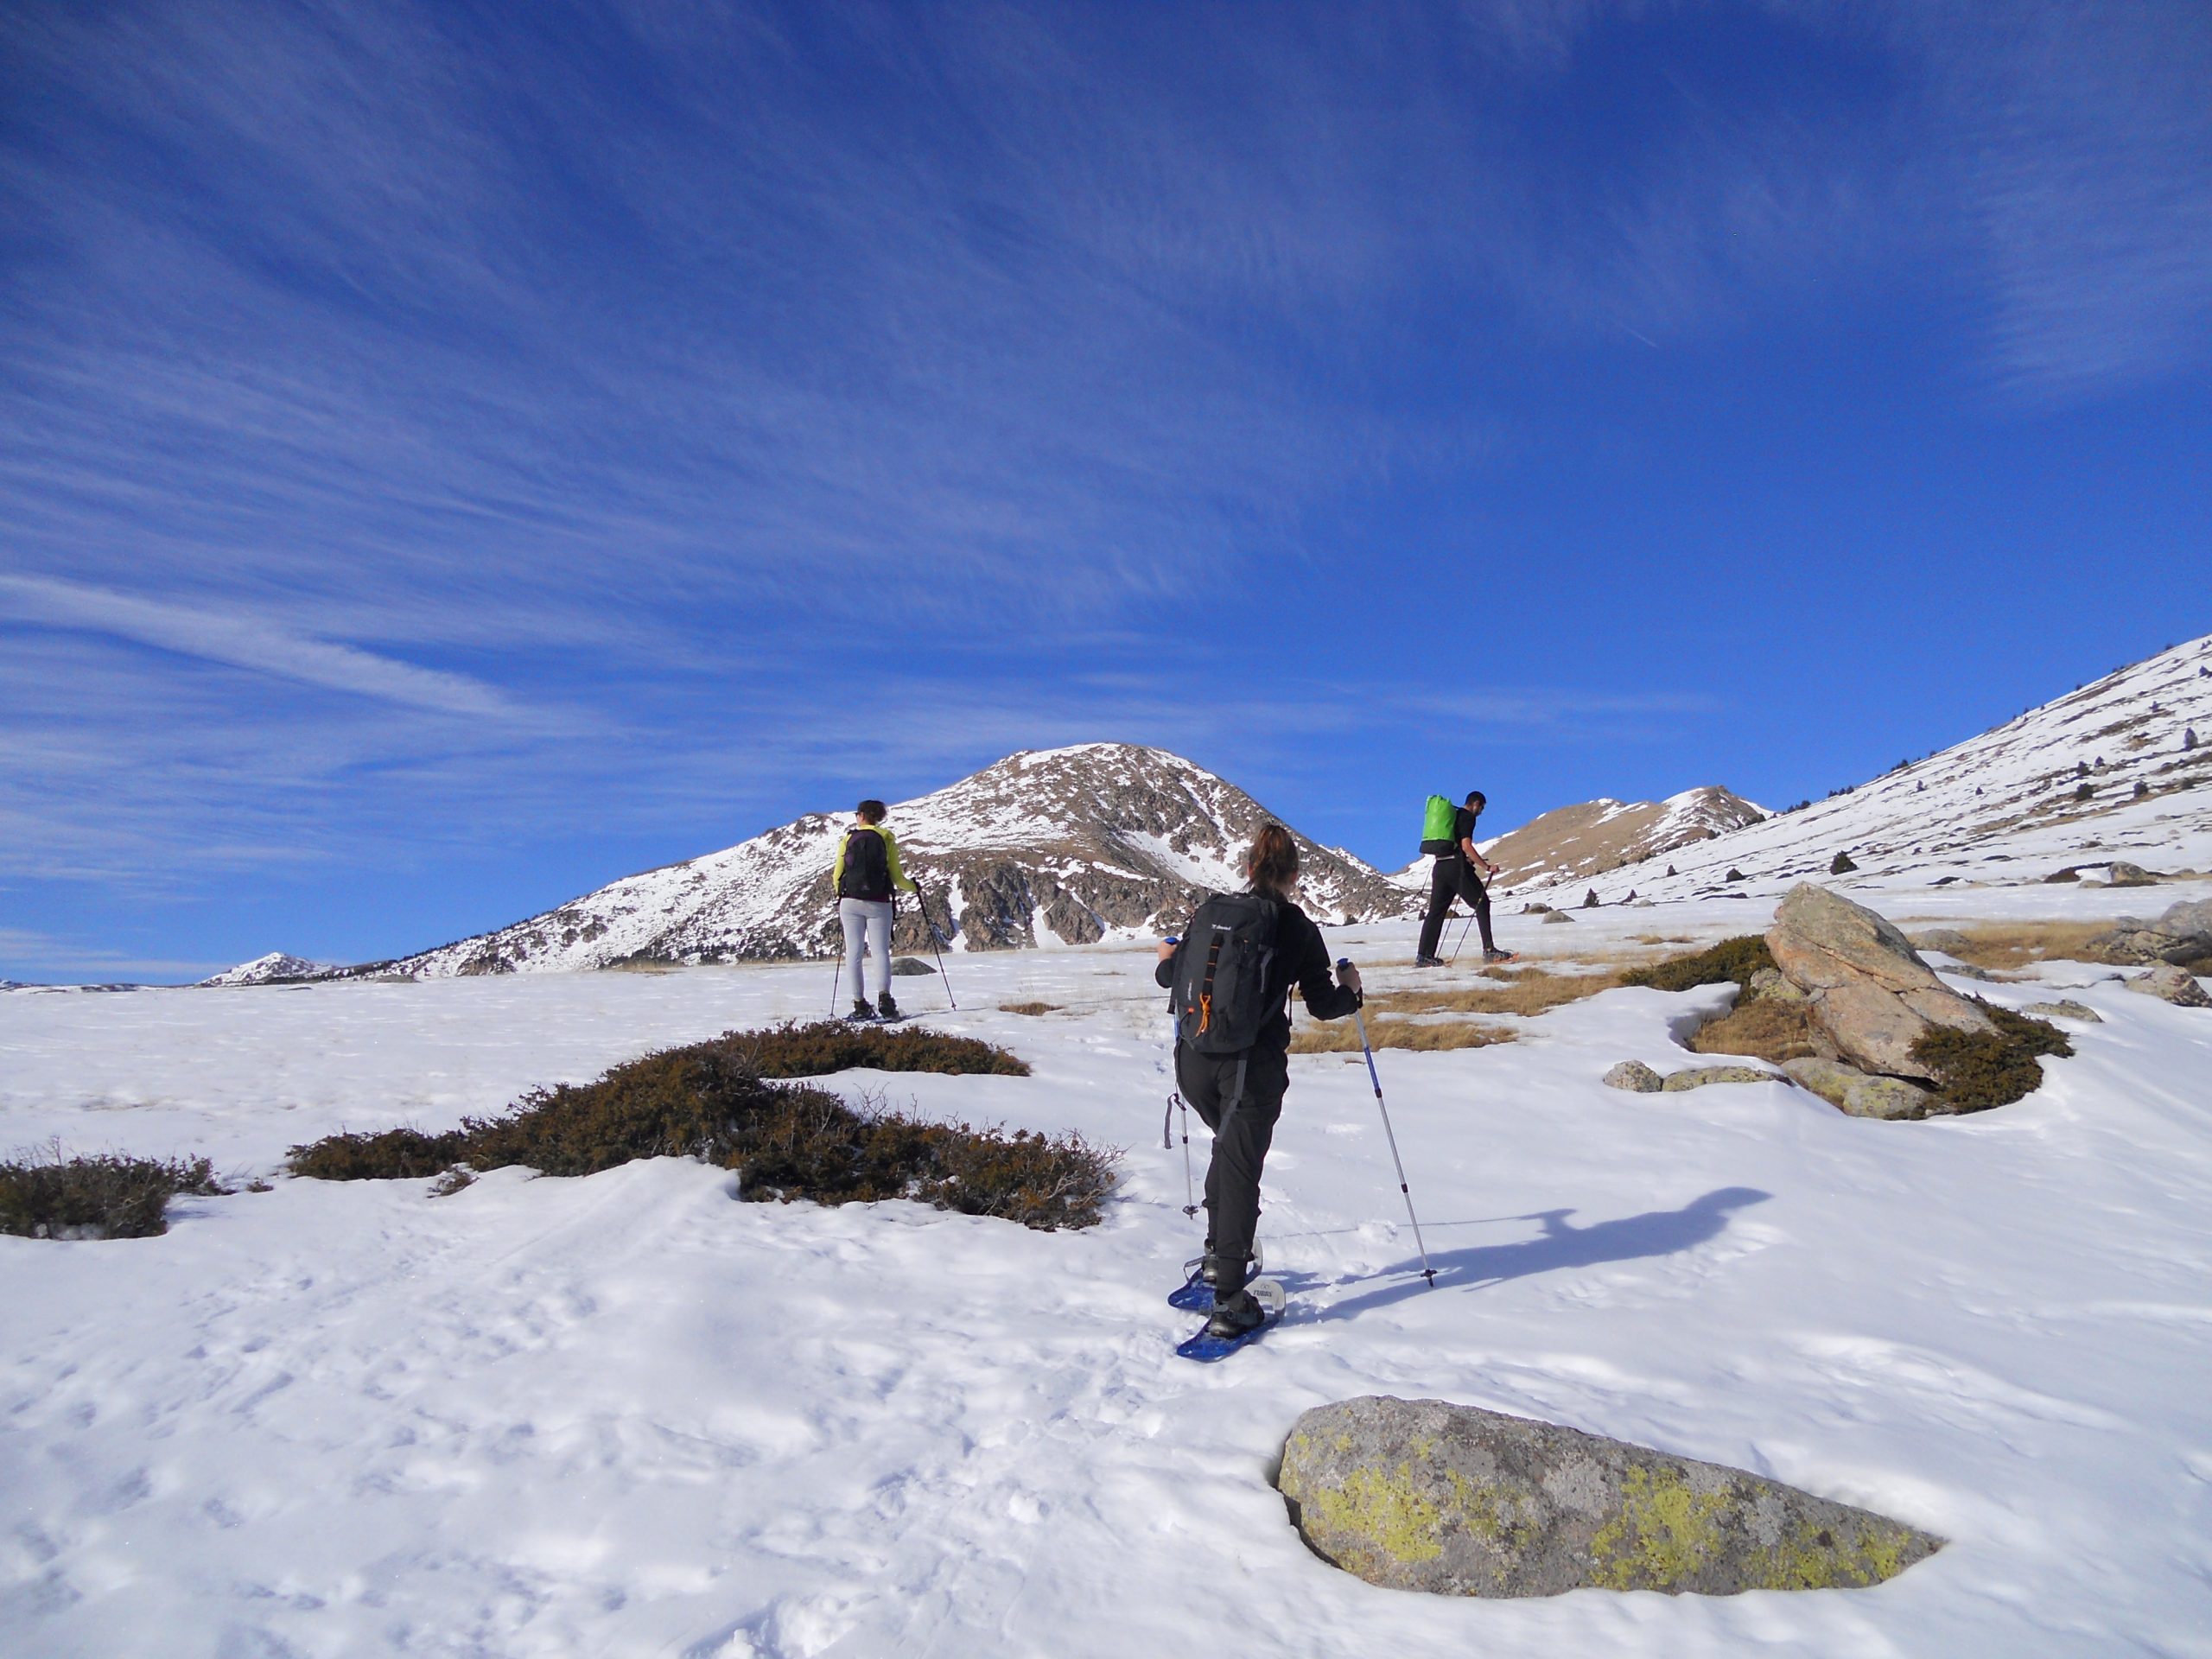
[
  {"x": 2118, "y": 770},
  {"x": 623, "y": 1414},
  {"x": 1047, "y": 847}
]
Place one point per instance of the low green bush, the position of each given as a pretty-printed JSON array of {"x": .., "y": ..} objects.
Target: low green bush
[
  {"x": 1737, "y": 959},
  {"x": 1977, "y": 1069},
  {"x": 47, "y": 1196},
  {"x": 715, "y": 1101}
]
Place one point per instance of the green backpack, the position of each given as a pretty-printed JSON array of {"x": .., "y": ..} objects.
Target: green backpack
[{"x": 1437, "y": 820}]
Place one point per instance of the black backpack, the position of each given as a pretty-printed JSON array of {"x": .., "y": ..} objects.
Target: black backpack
[
  {"x": 1220, "y": 995},
  {"x": 867, "y": 871}
]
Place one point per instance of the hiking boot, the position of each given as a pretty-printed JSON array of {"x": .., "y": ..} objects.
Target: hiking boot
[
  {"x": 1428, "y": 962},
  {"x": 1234, "y": 1318},
  {"x": 860, "y": 1009},
  {"x": 1496, "y": 954},
  {"x": 886, "y": 1007}
]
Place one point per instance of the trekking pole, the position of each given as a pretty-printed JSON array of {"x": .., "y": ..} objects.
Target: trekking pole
[
  {"x": 837, "y": 978},
  {"x": 1462, "y": 937},
  {"x": 1427, "y": 1272},
  {"x": 936, "y": 944},
  {"x": 1174, "y": 1101}
]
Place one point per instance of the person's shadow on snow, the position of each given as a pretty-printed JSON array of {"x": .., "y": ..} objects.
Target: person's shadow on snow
[{"x": 1655, "y": 1232}]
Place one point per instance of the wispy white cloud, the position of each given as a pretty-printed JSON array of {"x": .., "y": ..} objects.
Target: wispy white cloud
[
  {"x": 245, "y": 641},
  {"x": 2061, "y": 165}
]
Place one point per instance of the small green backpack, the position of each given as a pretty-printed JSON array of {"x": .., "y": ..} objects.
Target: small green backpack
[{"x": 1437, "y": 820}]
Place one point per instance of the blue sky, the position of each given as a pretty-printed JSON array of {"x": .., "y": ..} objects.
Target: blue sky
[{"x": 454, "y": 455}]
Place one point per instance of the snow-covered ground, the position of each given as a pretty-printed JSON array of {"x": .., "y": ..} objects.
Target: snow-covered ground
[{"x": 626, "y": 1415}]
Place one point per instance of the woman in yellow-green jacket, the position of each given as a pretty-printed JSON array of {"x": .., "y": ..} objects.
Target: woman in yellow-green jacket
[{"x": 867, "y": 873}]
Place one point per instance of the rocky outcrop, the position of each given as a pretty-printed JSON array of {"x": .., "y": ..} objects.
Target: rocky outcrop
[
  {"x": 1635, "y": 1076},
  {"x": 2124, "y": 875},
  {"x": 1849, "y": 1090},
  {"x": 1697, "y": 1077},
  {"x": 1869, "y": 989},
  {"x": 1421, "y": 1495},
  {"x": 2182, "y": 936},
  {"x": 2172, "y": 984},
  {"x": 2064, "y": 1009}
]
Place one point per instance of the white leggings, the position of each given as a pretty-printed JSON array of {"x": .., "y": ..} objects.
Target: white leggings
[{"x": 867, "y": 920}]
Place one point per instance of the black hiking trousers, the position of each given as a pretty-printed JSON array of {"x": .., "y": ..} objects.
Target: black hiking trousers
[
  {"x": 1453, "y": 878},
  {"x": 1242, "y": 1131}
]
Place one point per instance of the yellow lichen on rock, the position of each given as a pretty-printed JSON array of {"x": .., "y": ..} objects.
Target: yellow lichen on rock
[
  {"x": 1663, "y": 1534},
  {"x": 1374, "y": 1514}
]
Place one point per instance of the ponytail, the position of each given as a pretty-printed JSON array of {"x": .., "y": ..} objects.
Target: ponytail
[{"x": 1272, "y": 865}]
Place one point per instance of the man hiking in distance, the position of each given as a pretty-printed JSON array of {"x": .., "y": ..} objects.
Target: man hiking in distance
[
  {"x": 1229, "y": 977},
  {"x": 1453, "y": 877},
  {"x": 865, "y": 873}
]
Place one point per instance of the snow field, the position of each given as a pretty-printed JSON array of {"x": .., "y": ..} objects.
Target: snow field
[{"x": 626, "y": 1415}]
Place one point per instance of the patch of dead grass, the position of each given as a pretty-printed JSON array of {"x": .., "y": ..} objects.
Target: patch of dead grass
[
  {"x": 1029, "y": 1007},
  {"x": 1342, "y": 1036},
  {"x": 1531, "y": 991},
  {"x": 1769, "y": 1028},
  {"x": 2012, "y": 944}
]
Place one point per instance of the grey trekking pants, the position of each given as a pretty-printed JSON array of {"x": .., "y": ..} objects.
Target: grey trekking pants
[{"x": 867, "y": 922}]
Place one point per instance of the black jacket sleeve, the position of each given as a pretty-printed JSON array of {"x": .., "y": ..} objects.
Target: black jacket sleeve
[{"x": 1309, "y": 965}]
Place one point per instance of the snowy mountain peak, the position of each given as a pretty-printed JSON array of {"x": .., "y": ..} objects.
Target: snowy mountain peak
[
  {"x": 270, "y": 969},
  {"x": 1045, "y": 847}
]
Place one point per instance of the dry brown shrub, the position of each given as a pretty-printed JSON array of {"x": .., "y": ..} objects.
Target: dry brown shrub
[
  {"x": 714, "y": 1101},
  {"x": 1342, "y": 1036},
  {"x": 1769, "y": 1028},
  {"x": 2013, "y": 944},
  {"x": 1532, "y": 991},
  {"x": 1664, "y": 939}
]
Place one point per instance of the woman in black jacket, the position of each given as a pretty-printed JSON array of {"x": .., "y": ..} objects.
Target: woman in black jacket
[{"x": 1244, "y": 1124}]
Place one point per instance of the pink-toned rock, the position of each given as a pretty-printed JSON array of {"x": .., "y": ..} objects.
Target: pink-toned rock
[{"x": 1867, "y": 987}]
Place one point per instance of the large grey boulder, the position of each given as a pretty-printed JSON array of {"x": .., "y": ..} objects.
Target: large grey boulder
[
  {"x": 2172, "y": 984},
  {"x": 2190, "y": 921},
  {"x": 1849, "y": 1090},
  {"x": 1869, "y": 988},
  {"x": 1421, "y": 1495},
  {"x": 909, "y": 968},
  {"x": 1635, "y": 1076},
  {"x": 2124, "y": 875}
]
